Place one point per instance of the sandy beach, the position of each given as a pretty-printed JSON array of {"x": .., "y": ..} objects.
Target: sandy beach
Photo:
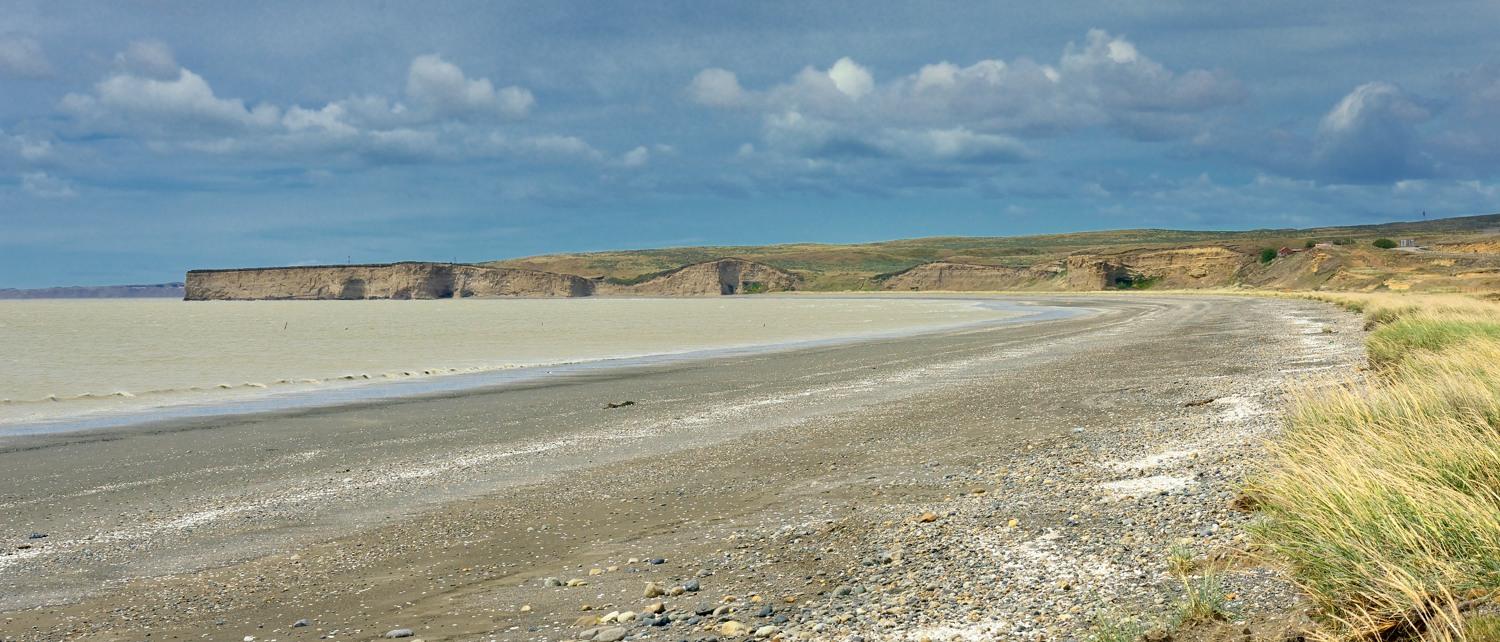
[{"x": 1004, "y": 482}]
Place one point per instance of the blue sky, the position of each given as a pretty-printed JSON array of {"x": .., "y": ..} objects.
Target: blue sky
[{"x": 139, "y": 140}]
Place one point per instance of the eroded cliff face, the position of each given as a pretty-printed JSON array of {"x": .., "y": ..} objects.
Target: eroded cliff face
[
  {"x": 443, "y": 280},
  {"x": 392, "y": 281},
  {"x": 712, "y": 278},
  {"x": 967, "y": 277},
  {"x": 1190, "y": 267},
  {"x": 1177, "y": 268}
]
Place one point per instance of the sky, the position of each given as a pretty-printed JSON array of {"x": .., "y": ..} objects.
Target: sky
[{"x": 139, "y": 140}]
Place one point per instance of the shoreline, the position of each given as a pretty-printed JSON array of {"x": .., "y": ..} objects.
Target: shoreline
[
  {"x": 761, "y": 483},
  {"x": 366, "y": 388}
]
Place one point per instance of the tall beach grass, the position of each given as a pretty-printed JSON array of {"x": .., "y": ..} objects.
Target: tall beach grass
[{"x": 1382, "y": 495}]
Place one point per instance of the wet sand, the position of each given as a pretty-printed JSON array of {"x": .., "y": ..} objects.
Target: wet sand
[{"x": 769, "y": 474}]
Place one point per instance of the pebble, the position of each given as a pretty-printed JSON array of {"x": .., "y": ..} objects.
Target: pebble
[
  {"x": 399, "y": 633},
  {"x": 611, "y": 634},
  {"x": 300, "y": 623}
]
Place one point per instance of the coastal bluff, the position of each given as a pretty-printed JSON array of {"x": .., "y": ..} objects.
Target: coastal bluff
[
  {"x": 417, "y": 280},
  {"x": 409, "y": 280}
]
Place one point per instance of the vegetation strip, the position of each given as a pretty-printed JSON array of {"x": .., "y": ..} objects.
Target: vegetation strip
[{"x": 1382, "y": 494}]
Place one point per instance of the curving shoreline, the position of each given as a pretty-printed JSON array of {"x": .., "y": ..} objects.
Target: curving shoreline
[
  {"x": 94, "y": 410},
  {"x": 761, "y": 481}
]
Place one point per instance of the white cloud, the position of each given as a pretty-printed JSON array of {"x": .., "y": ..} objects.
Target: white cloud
[
  {"x": 181, "y": 111},
  {"x": 23, "y": 58},
  {"x": 184, "y": 102},
  {"x": 441, "y": 85},
  {"x": 329, "y": 119},
  {"x": 956, "y": 144},
  {"x": 1106, "y": 81},
  {"x": 44, "y": 185},
  {"x": 637, "y": 157},
  {"x": 852, "y": 79},
  {"x": 716, "y": 88}
]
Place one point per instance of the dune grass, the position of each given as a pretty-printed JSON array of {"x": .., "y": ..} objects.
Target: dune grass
[{"x": 1383, "y": 495}]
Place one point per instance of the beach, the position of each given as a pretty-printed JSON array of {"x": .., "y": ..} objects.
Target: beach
[{"x": 1003, "y": 480}]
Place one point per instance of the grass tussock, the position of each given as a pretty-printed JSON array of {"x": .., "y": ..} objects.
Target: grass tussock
[
  {"x": 1113, "y": 628},
  {"x": 1383, "y": 497},
  {"x": 1204, "y": 600}
]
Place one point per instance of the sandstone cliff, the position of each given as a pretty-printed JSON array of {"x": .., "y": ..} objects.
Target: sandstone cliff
[
  {"x": 967, "y": 277},
  {"x": 1185, "y": 267},
  {"x": 1188, "y": 267},
  {"x": 711, "y": 278},
  {"x": 387, "y": 281}
]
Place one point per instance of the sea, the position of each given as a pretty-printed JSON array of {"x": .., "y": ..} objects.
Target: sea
[{"x": 81, "y": 364}]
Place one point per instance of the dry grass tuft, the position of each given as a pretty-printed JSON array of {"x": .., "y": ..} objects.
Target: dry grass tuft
[{"x": 1383, "y": 497}]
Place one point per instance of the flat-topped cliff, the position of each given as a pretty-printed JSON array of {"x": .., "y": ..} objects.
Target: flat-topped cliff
[
  {"x": 1441, "y": 255},
  {"x": 448, "y": 280},
  {"x": 382, "y": 281}
]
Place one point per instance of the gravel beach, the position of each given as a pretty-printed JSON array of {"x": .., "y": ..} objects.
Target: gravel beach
[{"x": 1008, "y": 482}]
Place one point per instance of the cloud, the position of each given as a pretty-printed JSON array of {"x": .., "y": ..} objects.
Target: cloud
[
  {"x": 717, "y": 88},
  {"x": 442, "y": 86},
  {"x": 1470, "y": 136},
  {"x": 185, "y": 100},
  {"x": 43, "y": 185},
  {"x": 1106, "y": 81},
  {"x": 798, "y": 134},
  {"x": 637, "y": 157},
  {"x": 851, "y": 79},
  {"x": 23, "y": 58},
  {"x": 29, "y": 148},
  {"x": 1370, "y": 136},
  {"x": 452, "y": 118}
]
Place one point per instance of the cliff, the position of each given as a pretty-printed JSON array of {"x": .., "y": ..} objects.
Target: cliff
[
  {"x": 1076, "y": 261},
  {"x": 710, "y": 278},
  {"x": 966, "y": 277},
  {"x": 1441, "y": 255},
  {"x": 446, "y": 280},
  {"x": 386, "y": 281},
  {"x": 1188, "y": 267}
]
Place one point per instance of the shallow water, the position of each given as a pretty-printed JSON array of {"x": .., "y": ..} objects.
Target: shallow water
[{"x": 68, "y": 359}]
